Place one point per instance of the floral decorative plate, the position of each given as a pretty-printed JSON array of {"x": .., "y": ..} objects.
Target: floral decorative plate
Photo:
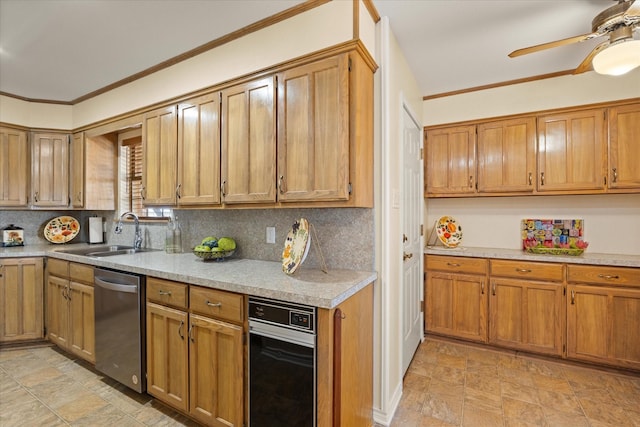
[
  {"x": 61, "y": 229},
  {"x": 296, "y": 246},
  {"x": 449, "y": 232}
]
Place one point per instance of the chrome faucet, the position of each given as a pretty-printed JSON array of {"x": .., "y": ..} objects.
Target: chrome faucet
[{"x": 137, "y": 239}]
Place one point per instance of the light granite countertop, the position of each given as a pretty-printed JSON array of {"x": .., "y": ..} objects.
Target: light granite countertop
[
  {"x": 251, "y": 277},
  {"x": 617, "y": 260}
]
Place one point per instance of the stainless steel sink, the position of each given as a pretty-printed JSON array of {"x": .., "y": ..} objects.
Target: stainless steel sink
[{"x": 103, "y": 251}]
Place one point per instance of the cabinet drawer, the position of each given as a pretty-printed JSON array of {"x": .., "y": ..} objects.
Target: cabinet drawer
[
  {"x": 604, "y": 275},
  {"x": 456, "y": 264},
  {"x": 167, "y": 292},
  {"x": 528, "y": 270},
  {"x": 216, "y": 303},
  {"x": 81, "y": 273},
  {"x": 58, "y": 267}
]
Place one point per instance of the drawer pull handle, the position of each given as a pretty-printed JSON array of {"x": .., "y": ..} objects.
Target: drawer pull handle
[
  {"x": 453, "y": 264},
  {"x": 609, "y": 276},
  {"x": 161, "y": 292},
  {"x": 214, "y": 304},
  {"x": 523, "y": 270},
  {"x": 180, "y": 329}
]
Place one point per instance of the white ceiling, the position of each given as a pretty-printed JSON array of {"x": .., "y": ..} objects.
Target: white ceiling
[{"x": 64, "y": 49}]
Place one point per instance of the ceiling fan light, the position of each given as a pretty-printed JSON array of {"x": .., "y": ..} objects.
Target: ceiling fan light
[{"x": 618, "y": 58}]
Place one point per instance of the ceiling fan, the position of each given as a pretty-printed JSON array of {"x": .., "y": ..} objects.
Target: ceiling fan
[{"x": 616, "y": 56}]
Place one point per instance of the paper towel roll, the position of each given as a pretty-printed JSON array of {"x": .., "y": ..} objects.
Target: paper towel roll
[{"x": 95, "y": 229}]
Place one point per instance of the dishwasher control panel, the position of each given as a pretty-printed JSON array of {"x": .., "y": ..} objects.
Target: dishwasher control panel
[{"x": 295, "y": 316}]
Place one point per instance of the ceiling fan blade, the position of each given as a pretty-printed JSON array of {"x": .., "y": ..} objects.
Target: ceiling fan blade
[
  {"x": 536, "y": 48},
  {"x": 586, "y": 64}
]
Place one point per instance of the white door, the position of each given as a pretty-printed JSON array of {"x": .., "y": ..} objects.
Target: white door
[{"x": 412, "y": 286}]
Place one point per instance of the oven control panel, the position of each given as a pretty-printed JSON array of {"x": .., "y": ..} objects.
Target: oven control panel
[{"x": 295, "y": 316}]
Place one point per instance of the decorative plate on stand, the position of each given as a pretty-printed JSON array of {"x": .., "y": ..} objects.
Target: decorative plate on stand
[
  {"x": 296, "y": 246},
  {"x": 449, "y": 232},
  {"x": 61, "y": 229}
]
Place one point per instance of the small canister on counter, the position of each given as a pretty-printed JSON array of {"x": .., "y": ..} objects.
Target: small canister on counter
[{"x": 12, "y": 236}]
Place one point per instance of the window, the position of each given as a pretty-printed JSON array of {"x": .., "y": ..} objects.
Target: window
[{"x": 130, "y": 178}]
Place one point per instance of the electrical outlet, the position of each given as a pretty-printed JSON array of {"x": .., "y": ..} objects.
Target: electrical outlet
[{"x": 271, "y": 234}]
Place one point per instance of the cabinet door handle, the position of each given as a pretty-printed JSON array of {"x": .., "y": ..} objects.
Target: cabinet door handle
[
  {"x": 36, "y": 197},
  {"x": 541, "y": 178},
  {"x": 180, "y": 329},
  {"x": 143, "y": 193},
  {"x": 281, "y": 184},
  {"x": 615, "y": 174},
  {"x": 470, "y": 181},
  {"x": 609, "y": 276},
  {"x": 482, "y": 288},
  {"x": 214, "y": 304},
  {"x": 178, "y": 191},
  {"x": 161, "y": 292},
  {"x": 523, "y": 270},
  {"x": 493, "y": 288},
  {"x": 189, "y": 333},
  {"x": 530, "y": 178},
  {"x": 453, "y": 264},
  {"x": 79, "y": 196},
  {"x": 223, "y": 188},
  {"x": 573, "y": 297}
]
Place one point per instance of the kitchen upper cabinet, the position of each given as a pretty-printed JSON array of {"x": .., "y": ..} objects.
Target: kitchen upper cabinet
[
  {"x": 70, "y": 311},
  {"x": 456, "y": 297},
  {"x": 50, "y": 170},
  {"x": 14, "y": 168},
  {"x": 624, "y": 148},
  {"x": 248, "y": 156},
  {"x": 93, "y": 171},
  {"x": 506, "y": 156},
  {"x": 571, "y": 151},
  {"x": 21, "y": 299},
  {"x": 450, "y": 161},
  {"x": 199, "y": 151},
  {"x": 160, "y": 148},
  {"x": 313, "y": 131},
  {"x": 526, "y": 306}
]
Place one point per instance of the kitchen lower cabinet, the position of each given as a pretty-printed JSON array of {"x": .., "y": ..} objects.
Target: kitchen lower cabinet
[
  {"x": 526, "y": 307},
  {"x": 603, "y": 315},
  {"x": 195, "y": 355},
  {"x": 456, "y": 297},
  {"x": 21, "y": 299},
  {"x": 70, "y": 311}
]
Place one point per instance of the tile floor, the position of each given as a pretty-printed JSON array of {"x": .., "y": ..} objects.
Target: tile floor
[{"x": 448, "y": 384}]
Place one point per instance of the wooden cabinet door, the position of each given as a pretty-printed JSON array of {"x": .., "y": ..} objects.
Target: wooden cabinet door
[
  {"x": 21, "y": 299},
  {"x": 506, "y": 156},
  {"x": 160, "y": 148},
  {"x": 167, "y": 356},
  {"x": 58, "y": 311},
  {"x": 14, "y": 168},
  {"x": 199, "y": 151},
  {"x": 50, "y": 170},
  {"x": 624, "y": 149},
  {"x": 77, "y": 170},
  {"x": 313, "y": 131},
  {"x": 603, "y": 325},
  {"x": 456, "y": 305},
  {"x": 450, "y": 162},
  {"x": 248, "y": 158},
  {"x": 216, "y": 372},
  {"x": 571, "y": 151},
  {"x": 81, "y": 321},
  {"x": 527, "y": 315}
]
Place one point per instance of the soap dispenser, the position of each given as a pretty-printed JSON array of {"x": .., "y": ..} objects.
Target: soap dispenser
[{"x": 169, "y": 244}]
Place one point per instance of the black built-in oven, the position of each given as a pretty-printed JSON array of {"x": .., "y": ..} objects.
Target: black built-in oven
[{"x": 282, "y": 364}]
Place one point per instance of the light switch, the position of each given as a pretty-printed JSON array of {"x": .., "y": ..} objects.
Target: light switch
[{"x": 271, "y": 234}]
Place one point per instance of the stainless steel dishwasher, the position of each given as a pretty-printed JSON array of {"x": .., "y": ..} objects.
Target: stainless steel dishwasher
[{"x": 120, "y": 327}]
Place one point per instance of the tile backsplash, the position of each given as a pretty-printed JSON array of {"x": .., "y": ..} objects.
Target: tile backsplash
[{"x": 346, "y": 235}]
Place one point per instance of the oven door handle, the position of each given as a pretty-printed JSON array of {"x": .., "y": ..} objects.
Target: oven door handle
[
  {"x": 118, "y": 287},
  {"x": 282, "y": 334}
]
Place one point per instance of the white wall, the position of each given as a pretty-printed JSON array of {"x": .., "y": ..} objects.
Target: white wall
[
  {"x": 398, "y": 87},
  {"x": 612, "y": 222}
]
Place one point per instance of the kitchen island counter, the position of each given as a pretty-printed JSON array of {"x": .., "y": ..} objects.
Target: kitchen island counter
[{"x": 251, "y": 277}]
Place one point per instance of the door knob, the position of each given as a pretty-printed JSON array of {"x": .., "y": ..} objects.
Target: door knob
[{"x": 406, "y": 256}]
